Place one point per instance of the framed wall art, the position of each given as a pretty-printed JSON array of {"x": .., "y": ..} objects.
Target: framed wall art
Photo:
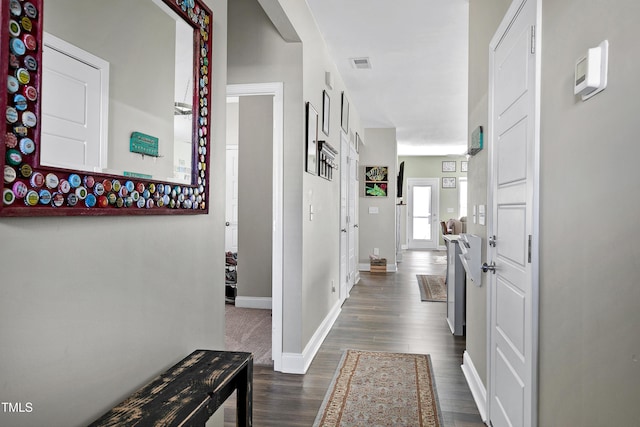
[
  {"x": 311, "y": 142},
  {"x": 326, "y": 108},
  {"x": 448, "y": 166},
  {"x": 376, "y": 181},
  {"x": 344, "y": 122},
  {"x": 449, "y": 182}
]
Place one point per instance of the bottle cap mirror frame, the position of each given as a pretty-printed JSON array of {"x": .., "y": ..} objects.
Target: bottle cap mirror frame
[{"x": 29, "y": 189}]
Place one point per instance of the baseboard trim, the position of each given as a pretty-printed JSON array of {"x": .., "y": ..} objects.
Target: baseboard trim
[
  {"x": 478, "y": 389},
  {"x": 298, "y": 363},
  {"x": 254, "y": 302},
  {"x": 442, "y": 248}
]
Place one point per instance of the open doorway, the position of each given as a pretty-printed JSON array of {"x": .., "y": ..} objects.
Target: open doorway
[{"x": 253, "y": 241}]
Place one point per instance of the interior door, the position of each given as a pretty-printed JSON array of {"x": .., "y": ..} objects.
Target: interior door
[
  {"x": 231, "y": 206},
  {"x": 353, "y": 217},
  {"x": 422, "y": 213},
  {"x": 344, "y": 217},
  {"x": 512, "y": 344},
  {"x": 74, "y": 107}
]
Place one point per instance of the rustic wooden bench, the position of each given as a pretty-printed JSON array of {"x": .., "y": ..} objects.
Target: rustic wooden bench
[{"x": 189, "y": 393}]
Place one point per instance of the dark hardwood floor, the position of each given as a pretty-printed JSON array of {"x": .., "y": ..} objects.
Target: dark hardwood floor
[{"x": 384, "y": 313}]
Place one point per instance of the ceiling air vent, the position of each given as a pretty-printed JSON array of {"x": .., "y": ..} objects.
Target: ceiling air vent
[{"x": 360, "y": 63}]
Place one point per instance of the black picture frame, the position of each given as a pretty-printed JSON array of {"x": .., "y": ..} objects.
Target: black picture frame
[
  {"x": 344, "y": 122},
  {"x": 311, "y": 140},
  {"x": 326, "y": 110}
]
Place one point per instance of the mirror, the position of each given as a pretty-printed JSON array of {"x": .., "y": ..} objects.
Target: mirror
[{"x": 107, "y": 117}]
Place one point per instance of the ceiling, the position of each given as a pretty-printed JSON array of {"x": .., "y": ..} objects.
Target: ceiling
[{"x": 417, "y": 82}]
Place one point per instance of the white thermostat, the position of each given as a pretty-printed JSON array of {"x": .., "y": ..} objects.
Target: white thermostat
[{"x": 591, "y": 71}]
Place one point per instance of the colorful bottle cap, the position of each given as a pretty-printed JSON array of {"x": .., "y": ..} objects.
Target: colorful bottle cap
[
  {"x": 26, "y": 23},
  {"x": 140, "y": 187},
  {"x": 160, "y": 203},
  {"x": 74, "y": 180},
  {"x": 128, "y": 202},
  {"x": 119, "y": 202},
  {"x": 23, "y": 76},
  {"x": 103, "y": 202},
  {"x": 111, "y": 197},
  {"x": 116, "y": 185},
  {"x": 12, "y": 115},
  {"x": 30, "y": 41},
  {"x": 14, "y": 62},
  {"x": 98, "y": 189},
  {"x": 64, "y": 186},
  {"x": 27, "y": 146},
  {"x": 152, "y": 187},
  {"x": 20, "y": 189},
  {"x": 29, "y": 119},
  {"x": 150, "y": 204},
  {"x": 57, "y": 200},
  {"x": 30, "y": 10},
  {"x": 10, "y": 174},
  {"x": 20, "y": 102},
  {"x": 90, "y": 201},
  {"x": 26, "y": 170},
  {"x": 107, "y": 185},
  {"x": 166, "y": 199},
  {"x": 14, "y": 28},
  {"x": 14, "y": 158},
  {"x": 52, "y": 181},
  {"x": 146, "y": 194},
  {"x": 172, "y": 204},
  {"x": 45, "y": 197},
  {"x": 37, "y": 180},
  {"x": 140, "y": 203},
  {"x": 8, "y": 197},
  {"x": 89, "y": 181},
  {"x": 17, "y": 47},
  {"x": 16, "y": 8},
  {"x": 130, "y": 186},
  {"x": 10, "y": 140},
  {"x": 30, "y": 92},
  {"x": 20, "y": 130},
  {"x": 72, "y": 199},
  {"x": 30, "y": 63},
  {"x": 32, "y": 198},
  {"x": 135, "y": 195},
  {"x": 124, "y": 192},
  {"x": 82, "y": 193}
]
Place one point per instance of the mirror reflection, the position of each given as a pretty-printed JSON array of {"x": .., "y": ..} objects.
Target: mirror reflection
[{"x": 117, "y": 89}]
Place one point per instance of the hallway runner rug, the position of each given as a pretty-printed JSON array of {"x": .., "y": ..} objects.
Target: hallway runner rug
[
  {"x": 432, "y": 288},
  {"x": 381, "y": 389}
]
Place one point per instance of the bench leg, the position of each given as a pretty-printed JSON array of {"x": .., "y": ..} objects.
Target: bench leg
[{"x": 244, "y": 400}]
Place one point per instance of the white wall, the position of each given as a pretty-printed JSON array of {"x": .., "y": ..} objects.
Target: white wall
[
  {"x": 92, "y": 308},
  {"x": 378, "y": 230}
]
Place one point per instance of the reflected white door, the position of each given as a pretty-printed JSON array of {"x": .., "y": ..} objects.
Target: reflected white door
[
  {"x": 231, "y": 215},
  {"x": 75, "y": 91},
  {"x": 344, "y": 217},
  {"x": 353, "y": 217},
  {"x": 513, "y": 188},
  {"x": 423, "y": 213}
]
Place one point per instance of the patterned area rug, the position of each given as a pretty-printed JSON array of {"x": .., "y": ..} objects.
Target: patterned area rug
[
  {"x": 432, "y": 288},
  {"x": 381, "y": 389}
]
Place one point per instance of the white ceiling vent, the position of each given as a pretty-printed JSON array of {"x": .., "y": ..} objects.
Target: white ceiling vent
[{"x": 360, "y": 63}]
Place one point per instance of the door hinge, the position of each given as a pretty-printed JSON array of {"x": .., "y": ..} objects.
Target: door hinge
[
  {"x": 529, "y": 258},
  {"x": 533, "y": 39}
]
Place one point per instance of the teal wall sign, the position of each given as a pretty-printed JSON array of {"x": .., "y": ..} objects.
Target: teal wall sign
[{"x": 143, "y": 144}]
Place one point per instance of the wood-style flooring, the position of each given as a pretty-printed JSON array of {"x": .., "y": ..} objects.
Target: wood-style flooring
[{"x": 383, "y": 313}]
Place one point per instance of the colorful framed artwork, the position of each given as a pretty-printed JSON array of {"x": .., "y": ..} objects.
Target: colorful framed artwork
[
  {"x": 311, "y": 143},
  {"x": 376, "y": 173},
  {"x": 375, "y": 189},
  {"x": 449, "y": 182}
]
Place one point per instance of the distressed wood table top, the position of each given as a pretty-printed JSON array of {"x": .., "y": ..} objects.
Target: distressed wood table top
[{"x": 189, "y": 392}]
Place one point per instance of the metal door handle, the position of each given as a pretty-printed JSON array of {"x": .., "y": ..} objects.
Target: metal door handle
[
  {"x": 355, "y": 226},
  {"x": 486, "y": 267},
  {"x": 227, "y": 223},
  {"x": 344, "y": 230}
]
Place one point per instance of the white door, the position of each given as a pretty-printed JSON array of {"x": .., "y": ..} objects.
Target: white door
[
  {"x": 75, "y": 92},
  {"x": 231, "y": 209},
  {"x": 344, "y": 217},
  {"x": 353, "y": 217},
  {"x": 513, "y": 218},
  {"x": 422, "y": 204}
]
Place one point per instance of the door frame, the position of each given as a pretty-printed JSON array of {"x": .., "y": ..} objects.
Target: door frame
[
  {"x": 510, "y": 16},
  {"x": 435, "y": 208},
  {"x": 344, "y": 218},
  {"x": 276, "y": 89}
]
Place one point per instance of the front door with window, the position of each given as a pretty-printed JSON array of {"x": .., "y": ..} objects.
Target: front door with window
[{"x": 422, "y": 224}]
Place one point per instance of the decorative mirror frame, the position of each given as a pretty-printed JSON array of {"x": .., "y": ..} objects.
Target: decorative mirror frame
[{"x": 32, "y": 190}]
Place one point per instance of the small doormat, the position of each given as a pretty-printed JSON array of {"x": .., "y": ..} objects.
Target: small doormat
[
  {"x": 432, "y": 288},
  {"x": 381, "y": 389}
]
